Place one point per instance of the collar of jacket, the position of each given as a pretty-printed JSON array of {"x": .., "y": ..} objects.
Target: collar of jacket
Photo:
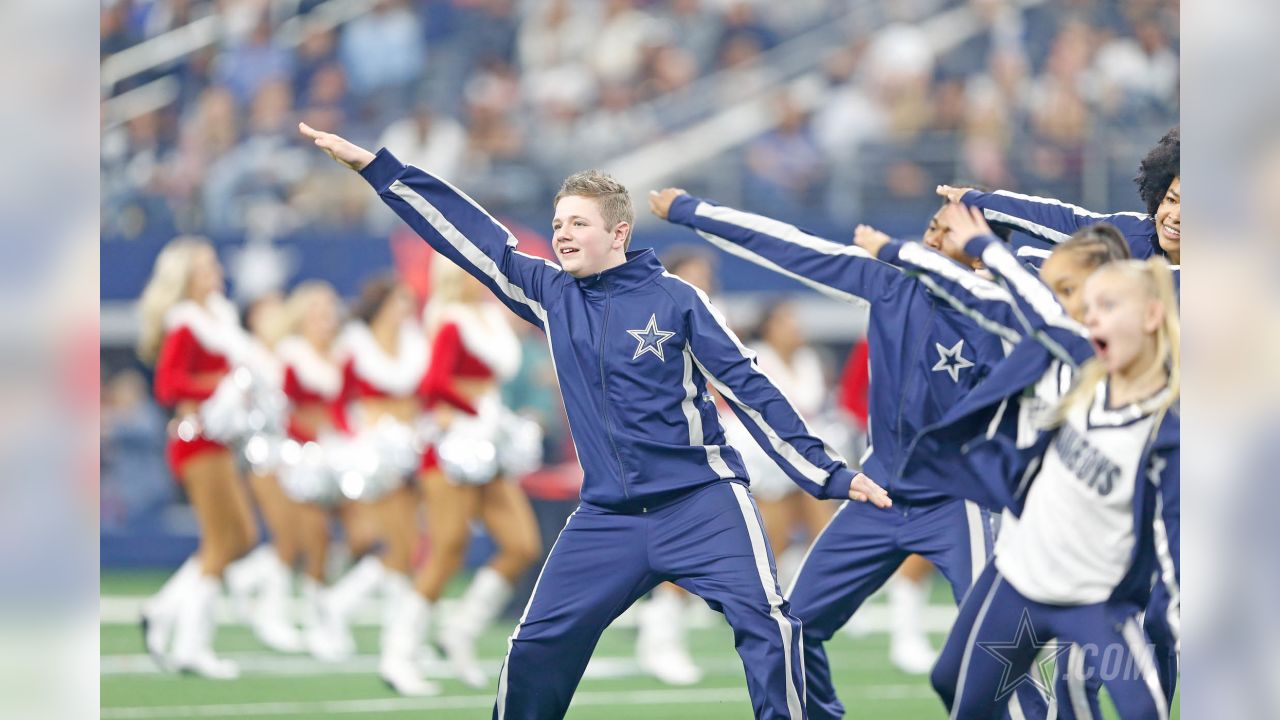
[{"x": 641, "y": 267}]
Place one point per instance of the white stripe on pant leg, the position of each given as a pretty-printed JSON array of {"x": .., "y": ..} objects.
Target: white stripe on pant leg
[
  {"x": 502, "y": 678},
  {"x": 978, "y": 550},
  {"x": 968, "y": 646},
  {"x": 1015, "y": 707},
  {"x": 1052, "y": 712},
  {"x": 800, "y": 568},
  {"x": 1144, "y": 661},
  {"x": 1076, "y": 687},
  {"x": 755, "y": 531}
]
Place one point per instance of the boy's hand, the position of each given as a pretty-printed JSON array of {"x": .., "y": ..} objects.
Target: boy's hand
[
  {"x": 952, "y": 194},
  {"x": 338, "y": 148},
  {"x": 864, "y": 489},
  {"x": 966, "y": 223},
  {"x": 660, "y": 200},
  {"x": 870, "y": 239}
]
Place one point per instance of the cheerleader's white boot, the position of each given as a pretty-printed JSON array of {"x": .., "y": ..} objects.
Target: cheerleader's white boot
[
  {"x": 487, "y": 596},
  {"x": 344, "y": 597},
  {"x": 160, "y": 613},
  {"x": 193, "y": 634},
  {"x": 272, "y": 620},
  {"x": 909, "y": 647},
  {"x": 661, "y": 649},
  {"x": 406, "y": 614}
]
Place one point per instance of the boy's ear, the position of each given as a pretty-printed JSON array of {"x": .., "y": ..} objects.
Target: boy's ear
[{"x": 620, "y": 232}]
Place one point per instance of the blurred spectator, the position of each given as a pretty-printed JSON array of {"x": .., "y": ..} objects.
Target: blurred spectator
[
  {"x": 257, "y": 174},
  {"x": 739, "y": 57},
  {"x": 1138, "y": 71},
  {"x": 384, "y": 48},
  {"x": 318, "y": 50},
  {"x": 113, "y": 28},
  {"x": 246, "y": 66},
  {"x": 489, "y": 29},
  {"x": 849, "y": 115},
  {"x": 900, "y": 65},
  {"x": 435, "y": 143},
  {"x": 557, "y": 32},
  {"x": 538, "y": 88},
  {"x": 615, "y": 54},
  {"x": 692, "y": 28},
  {"x": 742, "y": 22},
  {"x": 785, "y": 166},
  {"x": 324, "y": 101},
  {"x": 136, "y": 485}
]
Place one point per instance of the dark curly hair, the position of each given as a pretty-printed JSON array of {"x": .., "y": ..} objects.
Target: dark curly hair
[{"x": 1158, "y": 169}]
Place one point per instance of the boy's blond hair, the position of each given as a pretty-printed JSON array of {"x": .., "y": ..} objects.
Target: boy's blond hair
[{"x": 611, "y": 197}]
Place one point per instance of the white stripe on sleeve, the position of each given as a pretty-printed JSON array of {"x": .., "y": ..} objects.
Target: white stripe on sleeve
[{"x": 469, "y": 250}]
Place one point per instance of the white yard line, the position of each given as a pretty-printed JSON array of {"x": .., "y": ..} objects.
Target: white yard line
[
  {"x": 268, "y": 663},
  {"x": 462, "y": 702},
  {"x": 874, "y": 617}
]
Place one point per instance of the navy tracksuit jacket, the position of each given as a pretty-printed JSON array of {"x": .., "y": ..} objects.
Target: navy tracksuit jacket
[
  {"x": 1053, "y": 221},
  {"x": 925, "y": 356},
  {"x": 663, "y": 496}
]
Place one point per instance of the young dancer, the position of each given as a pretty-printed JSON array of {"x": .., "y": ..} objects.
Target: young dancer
[
  {"x": 663, "y": 497},
  {"x": 925, "y": 356},
  {"x": 1094, "y": 492}
]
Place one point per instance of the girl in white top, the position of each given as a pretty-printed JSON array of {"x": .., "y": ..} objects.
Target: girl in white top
[{"x": 1095, "y": 492}]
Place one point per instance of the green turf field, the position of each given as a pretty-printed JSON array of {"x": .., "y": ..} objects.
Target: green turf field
[{"x": 281, "y": 686}]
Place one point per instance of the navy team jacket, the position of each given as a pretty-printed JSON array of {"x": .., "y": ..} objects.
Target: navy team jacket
[
  {"x": 999, "y": 473},
  {"x": 633, "y": 349},
  {"x": 924, "y": 354},
  {"x": 1054, "y": 221}
]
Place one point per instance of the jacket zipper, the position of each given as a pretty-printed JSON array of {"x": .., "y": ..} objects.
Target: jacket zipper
[{"x": 604, "y": 393}]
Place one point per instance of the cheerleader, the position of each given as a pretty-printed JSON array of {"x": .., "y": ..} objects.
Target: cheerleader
[
  {"x": 313, "y": 384},
  {"x": 191, "y": 334},
  {"x": 471, "y": 471},
  {"x": 796, "y": 368},
  {"x": 1092, "y": 496},
  {"x": 384, "y": 358},
  {"x": 261, "y": 584}
]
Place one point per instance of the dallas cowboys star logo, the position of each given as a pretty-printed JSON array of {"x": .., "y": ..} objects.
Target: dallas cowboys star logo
[
  {"x": 1025, "y": 644},
  {"x": 951, "y": 361},
  {"x": 650, "y": 339}
]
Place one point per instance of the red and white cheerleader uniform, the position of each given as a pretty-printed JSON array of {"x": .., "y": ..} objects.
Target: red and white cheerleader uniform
[
  {"x": 385, "y": 452},
  {"x": 199, "y": 349},
  {"x": 472, "y": 342}
]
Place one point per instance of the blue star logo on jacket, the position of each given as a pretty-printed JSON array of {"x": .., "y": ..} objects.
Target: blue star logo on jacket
[
  {"x": 951, "y": 360},
  {"x": 650, "y": 339}
]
